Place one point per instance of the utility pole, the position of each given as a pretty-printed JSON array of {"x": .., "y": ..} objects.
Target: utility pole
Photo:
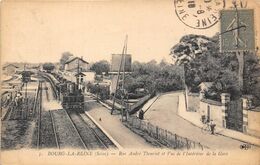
[
  {"x": 26, "y": 81},
  {"x": 239, "y": 54},
  {"x": 119, "y": 70},
  {"x": 77, "y": 77}
]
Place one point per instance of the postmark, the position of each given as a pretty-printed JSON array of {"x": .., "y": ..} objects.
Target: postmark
[{"x": 199, "y": 14}]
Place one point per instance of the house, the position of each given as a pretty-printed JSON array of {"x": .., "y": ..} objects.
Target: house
[
  {"x": 75, "y": 63},
  {"x": 85, "y": 77},
  {"x": 204, "y": 86},
  {"x": 10, "y": 69}
]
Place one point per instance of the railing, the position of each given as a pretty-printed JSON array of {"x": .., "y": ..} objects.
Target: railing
[
  {"x": 120, "y": 102},
  {"x": 165, "y": 137},
  {"x": 133, "y": 108}
]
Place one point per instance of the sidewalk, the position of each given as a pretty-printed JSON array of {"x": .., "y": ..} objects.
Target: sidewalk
[
  {"x": 226, "y": 132},
  {"x": 194, "y": 119},
  {"x": 113, "y": 126}
]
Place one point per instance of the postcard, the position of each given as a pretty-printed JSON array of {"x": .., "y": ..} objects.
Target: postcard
[{"x": 130, "y": 82}]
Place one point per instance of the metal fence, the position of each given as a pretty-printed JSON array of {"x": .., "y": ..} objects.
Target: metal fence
[{"x": 165, "y": 137}]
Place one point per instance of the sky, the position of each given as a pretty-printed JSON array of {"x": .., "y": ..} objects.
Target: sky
[{"x": 40, "y": 31}]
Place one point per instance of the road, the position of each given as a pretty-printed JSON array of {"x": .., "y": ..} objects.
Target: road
[{"x": 163, "y": 113}]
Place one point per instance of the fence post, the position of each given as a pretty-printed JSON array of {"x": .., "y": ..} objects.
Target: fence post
[
  {"x": 157, "y": 132},
  {"x": 187, "y": 143},
  {"x": 140, "y": 123},
  {"x": 148, "y": 128},
  {"x": 201, "y": 146},
  {"x": 176, "y": 141},
  {"x": 166, "y": 135},
  {"x": 225, "y": 102}
]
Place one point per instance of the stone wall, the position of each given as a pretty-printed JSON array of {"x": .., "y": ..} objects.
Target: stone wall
[
  {"x": 254, "y": 123},
  {"x": 212, "y": 109},
  {"x": 251, "y": 117},
  {"x": 193, "y": 103}
]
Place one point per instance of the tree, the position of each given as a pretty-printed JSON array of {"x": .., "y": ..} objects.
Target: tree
[
  {"x": 48, "y": 67},
  {"x": 151, "y": 76},
  {"x": 100, "y": 67},
  {"x": 204, "y": 63},
  {"x": 64, "y": 58},
  {"x": 190, "y": 47}
]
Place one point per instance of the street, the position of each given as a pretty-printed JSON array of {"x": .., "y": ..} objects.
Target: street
[{"x": 163, "y": 113}]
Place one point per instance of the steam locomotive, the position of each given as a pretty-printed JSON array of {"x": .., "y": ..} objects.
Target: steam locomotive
[
  {"x": 66, "y": 91},
  {"x": 72, "y": 98}
]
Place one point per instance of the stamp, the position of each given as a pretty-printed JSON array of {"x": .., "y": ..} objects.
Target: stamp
[{"x": 201, "y": 14}]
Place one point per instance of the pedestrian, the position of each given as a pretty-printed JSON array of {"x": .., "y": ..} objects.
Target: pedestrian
[
  {"x": 141, "y": 114},
  {"x": 212, "y": 127}
]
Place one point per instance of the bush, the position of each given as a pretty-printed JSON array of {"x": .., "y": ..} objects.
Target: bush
[{"x": 102, "y": 90}]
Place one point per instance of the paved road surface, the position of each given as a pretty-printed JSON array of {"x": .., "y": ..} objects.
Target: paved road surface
[{"x": 164, "y": 114}]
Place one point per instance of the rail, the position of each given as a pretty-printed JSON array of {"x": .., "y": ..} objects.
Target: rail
[
  {"x": 46, "y": 117},
  {"x": 48, "y": 77},
  {"x": 99, "y": 134},
  {"x": 98, "y": 137},
  {"x": 35, "y": 99},
  {"x": 54, "y": 130},
  {"x": 39, "y": 118},
  {"x": 74, "y": 126}
]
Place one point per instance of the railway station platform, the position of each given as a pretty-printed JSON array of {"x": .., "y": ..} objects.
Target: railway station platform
[{"x": 114, "y": 127}]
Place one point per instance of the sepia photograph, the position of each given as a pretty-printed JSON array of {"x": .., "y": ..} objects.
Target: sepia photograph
[{"x": 130, "y": 82}]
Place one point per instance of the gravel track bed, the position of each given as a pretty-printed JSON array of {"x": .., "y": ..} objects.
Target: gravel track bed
[
  {"x": 66, "y": 134},
  {"x": 98, "y": 132},
  {"x": 88, "y": 136},
  {"x": 47, "y": 138}
]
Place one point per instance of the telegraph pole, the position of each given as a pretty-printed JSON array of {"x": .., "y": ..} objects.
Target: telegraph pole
[
  {"x": 118, "y": 75},
  {"x": 26, "y": 80},
  {"x": 239, "y": 54}
]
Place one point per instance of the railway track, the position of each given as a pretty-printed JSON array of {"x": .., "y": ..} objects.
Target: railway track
[
  {"x": 101, "y": 136},
  {"x": 49, "y": 124},
  {"x": 70, "y": 129},
  {"x": 46, "y": 131},
  {"x": 90, "y": 140},
  {"x": 67, "y": 135},
  {"x": 8, "y": 112},
  {"x": 46, "y": 91}
]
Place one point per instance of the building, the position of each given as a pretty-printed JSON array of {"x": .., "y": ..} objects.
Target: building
[
  {"x": 126, "y": 66},
  {"x": 85, "y": 77},
  {"x": 10, "y": 69},
  {"x": 75, "y": 63},
  {"x": 204, "y": 86},
  {"x": 116, "y": 62}
]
